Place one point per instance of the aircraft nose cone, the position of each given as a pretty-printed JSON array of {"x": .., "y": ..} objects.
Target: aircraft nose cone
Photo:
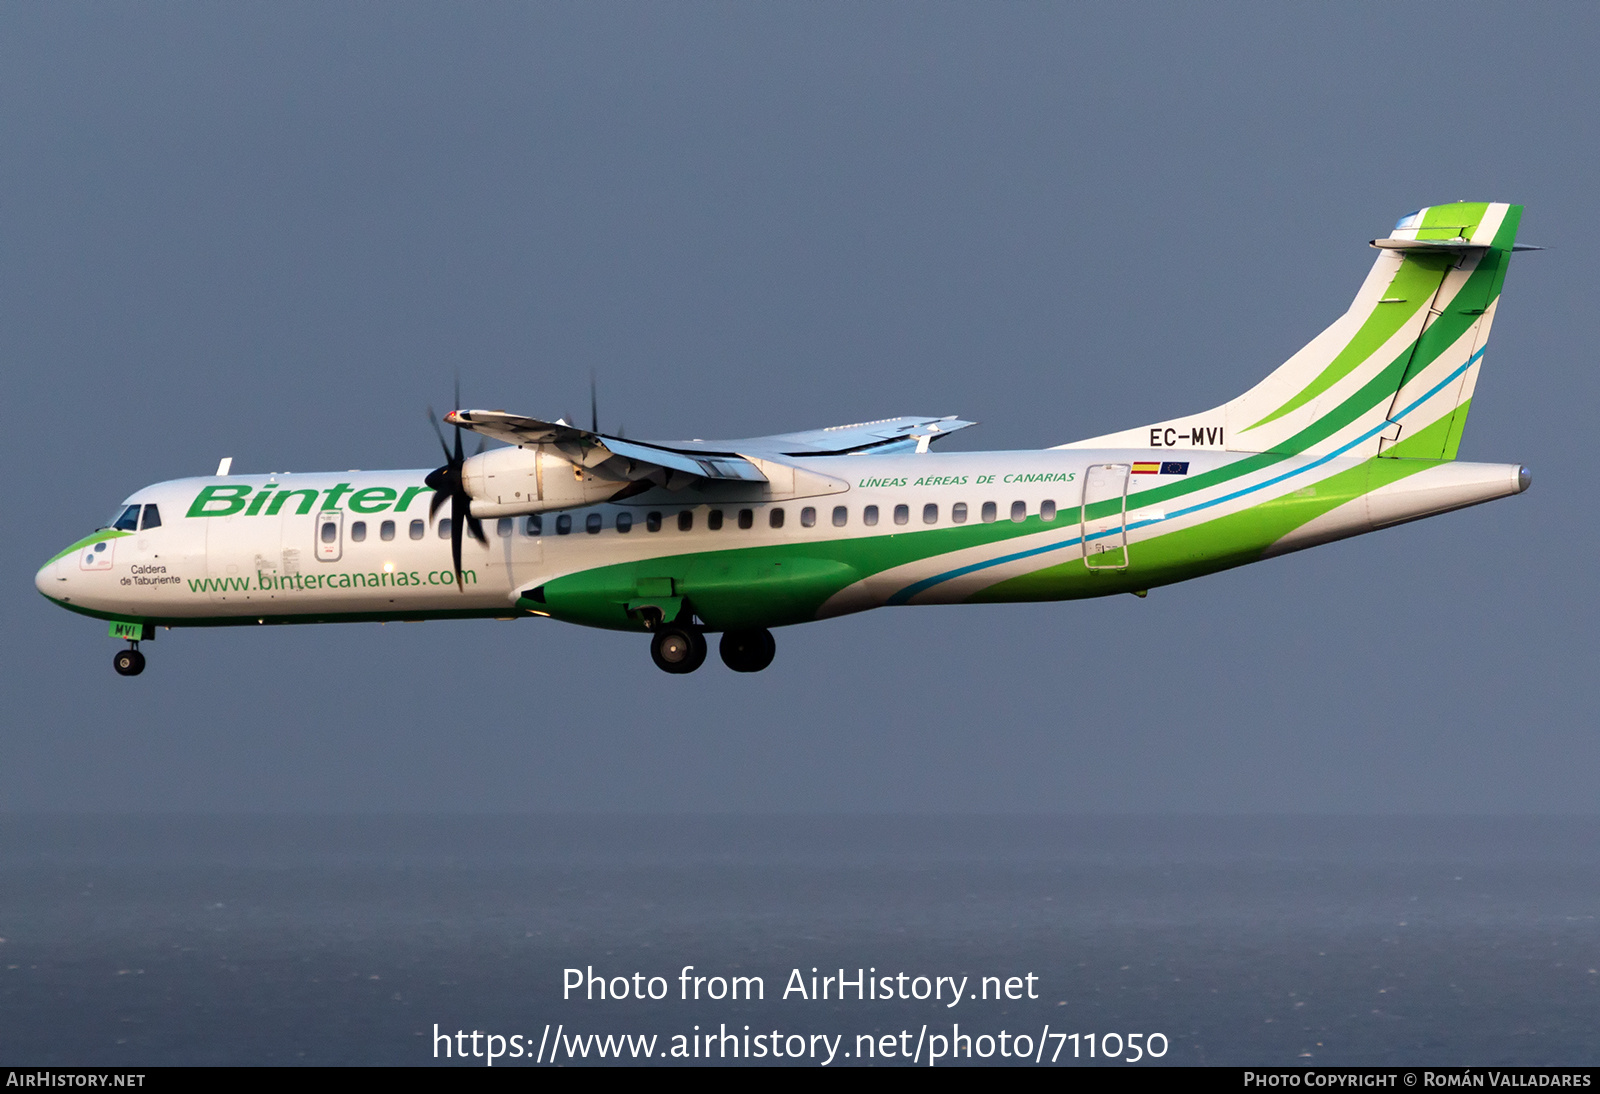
[
  {"x": 1524, "y": 479},
  {"x": 45, "y": 580}
]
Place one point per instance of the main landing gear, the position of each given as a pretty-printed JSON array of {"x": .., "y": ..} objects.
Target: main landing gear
[
  {"x": 678, "y": 648},
  {"x": 747, "y": 651},
  {"x": 128, "y": 662}
]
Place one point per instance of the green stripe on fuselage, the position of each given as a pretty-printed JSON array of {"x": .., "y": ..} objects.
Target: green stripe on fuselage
[
  {"x": 1228, "y": 541},
  {"x": 779, "y": 584}
]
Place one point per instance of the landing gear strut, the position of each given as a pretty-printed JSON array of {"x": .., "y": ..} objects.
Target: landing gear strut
[
  {"x": 677, "y": 648},
  {"x": 128, "y": 662},
  {"x": 747, "y": 651}
]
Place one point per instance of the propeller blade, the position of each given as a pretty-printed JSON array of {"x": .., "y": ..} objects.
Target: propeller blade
[
  {"x": 447, "y": 484},
  {"x": 433, "y": 420},
  {"x": 594, "y": 406},
  {"x": 455, "y": 540}
]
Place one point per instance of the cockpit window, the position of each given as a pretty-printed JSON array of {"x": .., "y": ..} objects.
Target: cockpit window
[
  {"x": 128, "y": 521},
  {"x": 152, "y": 517}
]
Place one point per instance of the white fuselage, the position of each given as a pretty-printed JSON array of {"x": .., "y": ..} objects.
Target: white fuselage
[{"x": 364, "y": 545}]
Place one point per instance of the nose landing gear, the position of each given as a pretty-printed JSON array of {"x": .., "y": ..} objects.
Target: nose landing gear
[{"x": 128, "y": 662}]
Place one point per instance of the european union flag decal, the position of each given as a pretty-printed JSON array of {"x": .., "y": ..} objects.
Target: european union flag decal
[{"x": 1178, "y": 468}]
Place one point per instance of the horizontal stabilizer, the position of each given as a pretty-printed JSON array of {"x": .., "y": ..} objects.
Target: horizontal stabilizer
[{"x": 1460, "y": 246}]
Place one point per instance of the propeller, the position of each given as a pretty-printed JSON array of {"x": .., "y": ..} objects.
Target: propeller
[{"x": 447, "y": 486}]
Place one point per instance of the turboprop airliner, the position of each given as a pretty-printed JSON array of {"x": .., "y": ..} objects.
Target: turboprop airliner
[{"x": 679, "y": 539}]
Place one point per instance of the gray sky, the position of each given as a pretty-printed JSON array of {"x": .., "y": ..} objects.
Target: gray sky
[{"x": 276, "y": 232}]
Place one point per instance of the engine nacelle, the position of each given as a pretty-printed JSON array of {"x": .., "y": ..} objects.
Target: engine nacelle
[{"x": 508, "y": 482}]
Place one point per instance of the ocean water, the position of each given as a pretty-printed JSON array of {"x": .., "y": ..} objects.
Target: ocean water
[{"x": 352, "y": 940}]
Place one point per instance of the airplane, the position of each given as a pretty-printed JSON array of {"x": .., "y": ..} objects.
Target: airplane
[{"x": 1357, "y": 431}]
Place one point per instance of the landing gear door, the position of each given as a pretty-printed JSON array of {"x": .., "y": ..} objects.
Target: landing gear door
[
  {"x": 330, "y": 535},
  {"x": 1105, "y": 516}
]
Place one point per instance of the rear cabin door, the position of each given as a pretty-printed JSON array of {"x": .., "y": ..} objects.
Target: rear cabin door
[{"x": 1105, "y": 516}]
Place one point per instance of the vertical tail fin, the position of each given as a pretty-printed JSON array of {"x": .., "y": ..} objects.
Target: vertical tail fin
[{"x": 1394, "y": 375}]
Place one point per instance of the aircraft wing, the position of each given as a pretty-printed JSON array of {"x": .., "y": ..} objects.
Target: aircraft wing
[
  {"x": 611, "y": 457},
  {"x": 882, "y": 437},
  {"x": 717, "y": 460}
]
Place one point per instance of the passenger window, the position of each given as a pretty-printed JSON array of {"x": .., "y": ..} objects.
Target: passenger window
[
  {"x": 1019, "y": 511},
  {"x": 591, "y": 523},
  {"x": 504, "y": 527},
  {"x": 444, "y": 529},
  {"x": 869, "y": 515},
  {"x": 841, "y": 516},
  {"x": 535, "y": 526},
  {"x": 564, "y": 524},
  {"x": 808, "y": 517},
  {"x": 129, "y": 520},
  {"x": 930, "y": 513},
  {"x": 747, "y": 518},
  {"x": 775, "y": 518},
  {"x": 989, "y": 512},
  {"x": 686, "y": 520},
  {"x": 1047, "y": 510},
  {"x": 958, "y": 512},
  {"x": 652, "y": 522},
  {"x": 330, "y": 531},
  {"x": 902, "y": 514},
  {"x": 417, "y": 529},
  {"x": 358, "y": 532},
  {"x": 714, "y": 520},
  {"x": 152, "y": 517},
  {"x": 386, "y": 531},
  {"x": 624, "y": 523}
]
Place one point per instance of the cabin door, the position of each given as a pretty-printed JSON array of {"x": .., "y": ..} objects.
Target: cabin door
[{"x": 1105, "y": 516}]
